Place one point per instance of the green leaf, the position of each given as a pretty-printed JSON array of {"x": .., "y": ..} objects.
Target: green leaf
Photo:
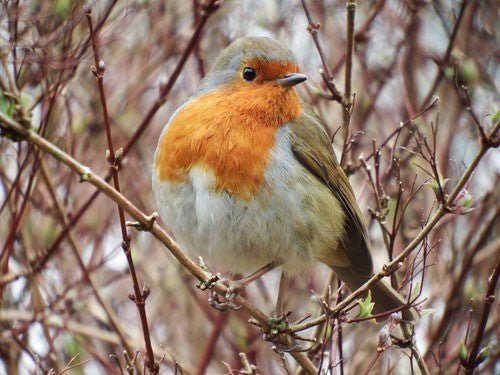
[
  {"x": 469, "y": 72},
  {"x": 462, "y": 351},
  {"x": 278, "y": 323},
  {"x": 466, "y": 199},
  {"x": 25, "y": 100},
  {"x": 449, "y": 72},
  {"x": 434, "y": 184},
  {"x": 415, "y": 291},
  {"x": 62, "y": 7},
  {"x": 496, "y": 117},
  {"x": 3, "y": 103},
  {"x": 483, "y": 354},
  {"x": 366, "y": 306},
  {"x": 6, "y": 105},
  {"x": 77, "y": 351}
]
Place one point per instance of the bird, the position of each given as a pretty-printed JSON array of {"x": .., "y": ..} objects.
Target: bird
[{"x": 245, "y": 176}]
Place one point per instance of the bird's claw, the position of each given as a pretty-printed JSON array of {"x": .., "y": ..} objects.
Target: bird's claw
[
  {"x": 226, "y": 302},
  {"x": 222, "y": 305},
  {"x": 233, "y": 288}
]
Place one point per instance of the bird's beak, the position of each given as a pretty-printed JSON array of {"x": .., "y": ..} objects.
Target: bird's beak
[{"x": 291, "y": 79}]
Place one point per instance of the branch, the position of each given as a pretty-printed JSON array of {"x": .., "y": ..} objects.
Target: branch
[
  {"x": 473, "y": 359},
  {"x": 347, "y": 99},
  {"x": 447, "y": 56},
  {"x": 12, "y": 315},
  {"x": 139, "y": 296},
  {"x": 313, "y": 28}
]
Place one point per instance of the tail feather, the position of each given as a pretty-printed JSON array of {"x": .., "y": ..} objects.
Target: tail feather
[{"x": 384, "y": 296}]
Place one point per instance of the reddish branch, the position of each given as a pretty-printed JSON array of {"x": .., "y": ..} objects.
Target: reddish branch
[
  {"x": 218, "y": 326},
  {"x": 313, "y": 28},
  {"x": 139, "y": 296}
]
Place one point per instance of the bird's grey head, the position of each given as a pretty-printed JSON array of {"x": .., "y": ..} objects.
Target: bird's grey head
[{"x": 266, "y": 57}]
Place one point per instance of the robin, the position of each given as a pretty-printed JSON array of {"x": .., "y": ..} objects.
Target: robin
[{"x": 245, "y": 176}]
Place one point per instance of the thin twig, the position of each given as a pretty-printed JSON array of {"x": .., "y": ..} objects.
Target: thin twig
[
  {"x": 211, "y": 342},
  {"x": 208, "y": 8},
  {"x": 313, "y": 28},
  {"x": 113, "y": 319},
  {"x": 139, "y": 296},
  {"x": 347, "y": 99},
  {"x": 445, "y": 60},
  {"x": 458, "y": 281},
  {"x": 405, "y": 124}
]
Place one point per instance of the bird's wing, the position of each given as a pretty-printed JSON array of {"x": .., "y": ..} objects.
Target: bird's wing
[{"x": 312, "y": 148}]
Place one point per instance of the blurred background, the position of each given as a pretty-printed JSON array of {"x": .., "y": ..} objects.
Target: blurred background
[{"x": 65, "y": 281}]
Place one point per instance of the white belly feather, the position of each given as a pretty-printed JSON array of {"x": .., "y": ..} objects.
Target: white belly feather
[{"x": 289, "y": 220}]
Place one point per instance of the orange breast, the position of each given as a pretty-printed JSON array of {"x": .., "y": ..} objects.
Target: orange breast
[{"x": 230, "y": 132}]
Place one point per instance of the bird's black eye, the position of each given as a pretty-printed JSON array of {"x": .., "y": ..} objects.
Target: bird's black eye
[{"x": 249, "y": 74}]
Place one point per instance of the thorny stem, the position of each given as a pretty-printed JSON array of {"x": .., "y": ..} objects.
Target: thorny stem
[
  {"x": 86, "y": 175},
  {"x": 139, "y": 296}
]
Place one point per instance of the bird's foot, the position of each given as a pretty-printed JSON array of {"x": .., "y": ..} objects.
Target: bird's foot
[
  {"x": 234, "y": 287},
  {"x": 222, "y": 303},
  {"x": 226, "y": 302},
  {"x": 216, "y": 300}
]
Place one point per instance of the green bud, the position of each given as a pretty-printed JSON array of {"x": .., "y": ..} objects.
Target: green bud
[
  {"x": 496, "y": 116},
  {"x": 462, "y": 351},
  {"x": 366, "y": 306},
  {"x": 483, "y": 354}
]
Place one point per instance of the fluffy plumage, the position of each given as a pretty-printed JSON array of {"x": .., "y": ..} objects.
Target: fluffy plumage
[{"x": 245, "y": 175}]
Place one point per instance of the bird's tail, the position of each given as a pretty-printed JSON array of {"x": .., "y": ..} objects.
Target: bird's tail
[{"x": 384, "y": 296}]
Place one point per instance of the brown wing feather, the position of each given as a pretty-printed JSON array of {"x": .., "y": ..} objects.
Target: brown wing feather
[{"x": 311, "y": 146}]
